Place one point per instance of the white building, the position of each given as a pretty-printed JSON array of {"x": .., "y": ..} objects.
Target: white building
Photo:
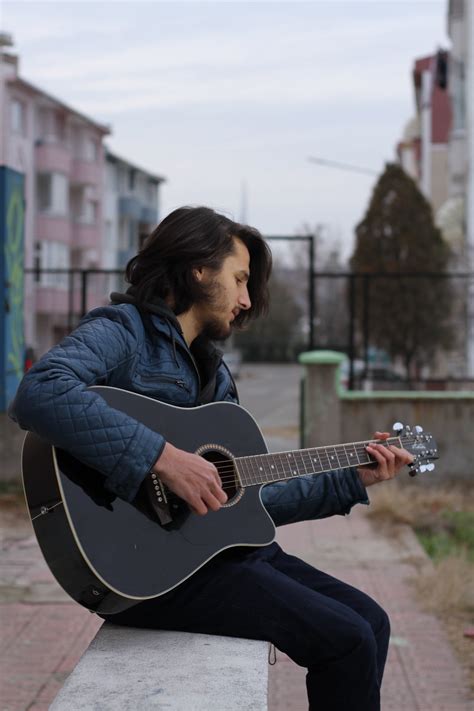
[
  {"x": 131, "y": 209},
  {"x": 459, "y": 211}
]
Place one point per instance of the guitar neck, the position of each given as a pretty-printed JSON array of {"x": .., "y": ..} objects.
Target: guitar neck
[{"x": 265, "y": 468}]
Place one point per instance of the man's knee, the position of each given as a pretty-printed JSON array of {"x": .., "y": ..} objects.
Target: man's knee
[
  {"x": 381, "y": 623},
  {"x": 354, "y": 640}
]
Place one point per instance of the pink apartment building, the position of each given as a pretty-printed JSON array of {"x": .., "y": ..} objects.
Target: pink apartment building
[{"x": 60, "y": 152}]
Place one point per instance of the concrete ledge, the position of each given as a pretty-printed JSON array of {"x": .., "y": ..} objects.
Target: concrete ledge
[{"x": 131, "y": 669}]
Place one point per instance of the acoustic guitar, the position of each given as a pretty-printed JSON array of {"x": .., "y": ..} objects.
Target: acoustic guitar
[{"x": 108, "y": 554}]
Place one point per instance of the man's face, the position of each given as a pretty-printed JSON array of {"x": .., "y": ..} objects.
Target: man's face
[{"x": 228, "y": 293}]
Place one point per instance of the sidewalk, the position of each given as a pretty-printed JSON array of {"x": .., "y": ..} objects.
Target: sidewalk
[
  {"x": 44, "y": 635},
  {"x": 422, "y": 673}
]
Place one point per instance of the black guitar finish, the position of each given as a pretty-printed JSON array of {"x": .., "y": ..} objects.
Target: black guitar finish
[{"x": 108, "y": 555}]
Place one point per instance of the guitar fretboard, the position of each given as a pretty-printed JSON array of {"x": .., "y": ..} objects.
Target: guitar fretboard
[{"x": 265, "y": 468}]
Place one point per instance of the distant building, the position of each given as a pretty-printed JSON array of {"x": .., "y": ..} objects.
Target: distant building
[
  {"x": 131, "y": 210},
  {"x": 457, "y": 217},
  {"x": 84, "y": 207},
  {"x": 423, "y": 150},
  {"x": 59, "y": 151},
  {"x": 434, "y": 151}
]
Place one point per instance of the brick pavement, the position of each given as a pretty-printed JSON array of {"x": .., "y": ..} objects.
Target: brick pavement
[
  {"x": 44, "y": 635},
  {"x": 422, "y": 673}
]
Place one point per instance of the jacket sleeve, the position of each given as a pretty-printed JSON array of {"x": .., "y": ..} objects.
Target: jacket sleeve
[
  {"x": 53, "y": 401},
  {"x": 312, "y": 497}
]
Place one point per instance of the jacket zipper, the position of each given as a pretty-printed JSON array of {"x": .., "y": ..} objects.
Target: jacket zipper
[
  {"x": 196, "y": 370},
  {"x": 166, "y": 379}
]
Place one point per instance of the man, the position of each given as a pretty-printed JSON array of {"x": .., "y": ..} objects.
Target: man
[{"x": 199, "y": 275}]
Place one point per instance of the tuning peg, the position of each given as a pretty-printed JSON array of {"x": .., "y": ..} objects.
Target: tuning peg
[
  {"x": 418, "y": 429},
  {"x": 430, "y": 467},
  {"x": 423, "y": 468},
  {"x": 397, "y": 427}
]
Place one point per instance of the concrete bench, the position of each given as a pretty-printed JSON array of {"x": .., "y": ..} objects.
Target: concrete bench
[{"x": 133, "y": 669}]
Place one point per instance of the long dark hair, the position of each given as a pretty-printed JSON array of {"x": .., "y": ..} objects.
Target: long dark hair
[{"x": 190, "y": 238}]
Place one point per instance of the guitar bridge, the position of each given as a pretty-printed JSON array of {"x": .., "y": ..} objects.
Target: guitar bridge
[{"x": 158, "y": 499}]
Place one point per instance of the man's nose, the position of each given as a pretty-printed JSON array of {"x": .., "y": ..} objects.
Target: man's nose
[{"x": 244, "y": 300}]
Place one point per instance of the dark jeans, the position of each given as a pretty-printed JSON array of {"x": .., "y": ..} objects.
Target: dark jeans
[{"x": 337, "y": 632}]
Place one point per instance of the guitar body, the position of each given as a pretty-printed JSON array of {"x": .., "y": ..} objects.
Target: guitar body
[{"x": 107, "y": 554}]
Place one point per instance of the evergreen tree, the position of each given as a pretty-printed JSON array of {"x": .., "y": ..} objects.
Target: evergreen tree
[{"x": 409, "y": 316}]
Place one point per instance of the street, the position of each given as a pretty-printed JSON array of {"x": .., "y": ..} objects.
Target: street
[{"x": 271, "y": 394}]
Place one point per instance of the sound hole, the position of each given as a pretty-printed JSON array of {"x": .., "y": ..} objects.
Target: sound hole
[{"x": 225, "y": 466}]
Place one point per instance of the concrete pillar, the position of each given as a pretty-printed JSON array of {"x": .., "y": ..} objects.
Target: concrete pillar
[{"x": 322, "y": 406}]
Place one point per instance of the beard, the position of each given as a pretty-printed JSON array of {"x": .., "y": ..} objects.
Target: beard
[
  {"x": 214, "y": 326},
  {"x": 216, "y": 330}
]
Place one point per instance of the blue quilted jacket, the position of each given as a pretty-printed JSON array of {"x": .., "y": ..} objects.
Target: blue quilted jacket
[{"x": 115, "y": 346}]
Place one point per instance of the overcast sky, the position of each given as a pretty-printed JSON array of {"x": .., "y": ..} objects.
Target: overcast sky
[{"x": 221, "y": 94}]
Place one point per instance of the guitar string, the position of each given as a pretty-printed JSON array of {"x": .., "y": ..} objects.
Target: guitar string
[
  {"x": 228, "y": 474},
  {"x": 334, "y": 451},
  {"x": 331, "y": 450},
  {"x": 227, "y": 470},
  {"x": 232, "y": 479}
]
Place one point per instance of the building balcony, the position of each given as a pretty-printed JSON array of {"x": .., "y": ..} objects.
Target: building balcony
[
  {"x": 52, "y": 158},
  {"x": 53, "y": 227},
  {"x": 130, "y": 207},
  {"x": 85, "y": 236},
  {"x": 149, "y": 215},
  {"x": 85, "y": 172}
]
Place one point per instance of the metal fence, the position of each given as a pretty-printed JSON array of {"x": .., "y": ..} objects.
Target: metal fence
[{"x": 338, "y": 312}]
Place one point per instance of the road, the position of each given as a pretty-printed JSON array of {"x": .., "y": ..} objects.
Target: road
[{"x": 271, "y": 393}]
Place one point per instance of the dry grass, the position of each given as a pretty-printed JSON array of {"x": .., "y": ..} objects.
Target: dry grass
[
  {"x": 417, "y": 505},
  {"x": 448, "y": 587},
  {"x": 445, "y": 588}
]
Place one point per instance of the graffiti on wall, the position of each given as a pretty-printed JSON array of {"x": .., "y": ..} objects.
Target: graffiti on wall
[{"x": 12, "y": 279}]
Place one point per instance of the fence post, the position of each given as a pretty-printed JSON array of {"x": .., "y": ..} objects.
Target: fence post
[
  {"x": 84, "y": 275},
  {"x": 352, "y": 315},
  {"x": 321, "y": 408},
  {"x": 312, "y": 290}
]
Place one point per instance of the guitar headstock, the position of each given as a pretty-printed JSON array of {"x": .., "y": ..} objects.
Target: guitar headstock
[{"x": 419, "y": 443}]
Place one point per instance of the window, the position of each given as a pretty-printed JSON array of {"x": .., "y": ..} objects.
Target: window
[
  {"x": 52, "y": 193},
  {"x": 89, "y": 215},
  {"x": 37, "y": 263},
  {"x": 51, "y": 255},
  {"x": 51, "y": 125},
  {"x": 152, "y": 194},
  {"x": 18, "y": 117},
  {"x": 458, "y": 93},
  {"x": 91, "y": 150},
  {"x": 112, "y": 177}
]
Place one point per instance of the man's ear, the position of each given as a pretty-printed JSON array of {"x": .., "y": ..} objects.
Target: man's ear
[{"x": 198, "y": 273}]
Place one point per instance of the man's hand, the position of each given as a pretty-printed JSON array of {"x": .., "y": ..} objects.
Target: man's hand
[
  {"x": 389, "y": 461},
  {"x": 192, "y": 478}
]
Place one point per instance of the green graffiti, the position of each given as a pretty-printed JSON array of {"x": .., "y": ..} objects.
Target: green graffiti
[{"x": 15, "y": 277}]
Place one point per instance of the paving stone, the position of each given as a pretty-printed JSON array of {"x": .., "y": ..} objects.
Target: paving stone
[
  {"x": 422, "y": 672},
  {"x": 43, "y": 634}
]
